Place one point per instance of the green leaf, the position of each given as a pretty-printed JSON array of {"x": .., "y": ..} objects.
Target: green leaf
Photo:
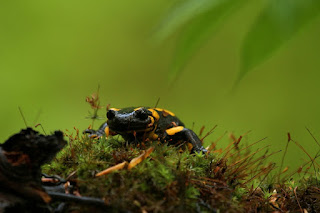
[
  {"x": 277, "y": 24},
  {"x": 199, "y": 28},
  {"x": 180, "y": 14}
]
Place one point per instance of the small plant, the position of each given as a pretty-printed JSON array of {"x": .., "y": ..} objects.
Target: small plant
[{"x": 94, "y": 102}]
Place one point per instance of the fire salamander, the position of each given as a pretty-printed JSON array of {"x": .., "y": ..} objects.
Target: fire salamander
[{"x": 144, "y": 123}]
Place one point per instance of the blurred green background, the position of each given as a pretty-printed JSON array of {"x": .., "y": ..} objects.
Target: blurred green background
[{"x": 55, "y": 53}]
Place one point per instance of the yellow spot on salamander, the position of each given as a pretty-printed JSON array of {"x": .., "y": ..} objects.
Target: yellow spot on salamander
[
  {"x": 190, "y": 146},
  {"x": 154, "y": 114},
  {"x": 174, "y": 130},
  {"x": 137, "y": 108},
  {"x": 114, "y": 109},
  {"x": 153, "y": 136},
  {"x": 107, "y": 130},
  {"x": 165, "y": 111},
  {"x": 151, "y": 121}
]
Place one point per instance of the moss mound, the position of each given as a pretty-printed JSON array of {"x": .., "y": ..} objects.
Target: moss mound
[{"x": 173, "y": 180}]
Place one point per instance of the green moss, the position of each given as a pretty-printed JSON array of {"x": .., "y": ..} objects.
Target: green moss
[{"x": 173, "y": 180}]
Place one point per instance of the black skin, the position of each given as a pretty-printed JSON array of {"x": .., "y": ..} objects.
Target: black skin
[{"x": 138, "y": 124}]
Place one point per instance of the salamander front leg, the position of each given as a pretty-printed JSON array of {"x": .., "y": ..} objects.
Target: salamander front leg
[
  {"x": 182, "y": 133},
  {"x": 103, "y": 130}
]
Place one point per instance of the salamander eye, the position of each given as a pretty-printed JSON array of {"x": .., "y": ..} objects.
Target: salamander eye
[
  {"x": 111, "y": 114},
  {"x": 141, "y": 114}
]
